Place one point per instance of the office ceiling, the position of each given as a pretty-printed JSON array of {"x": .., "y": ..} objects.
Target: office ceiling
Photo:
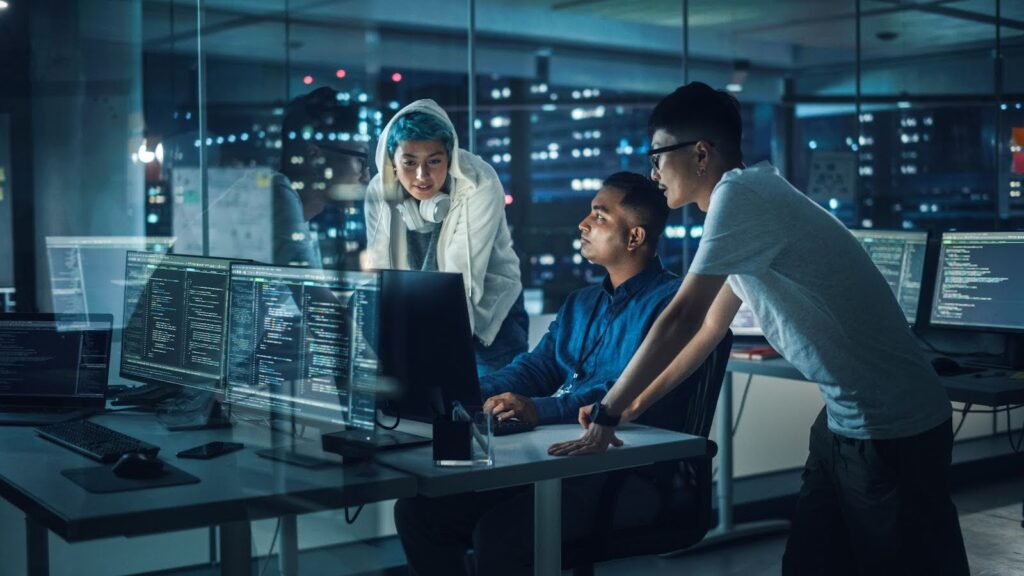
[
  {"x": 919, "y": 26},
  {"x": 780, "y": 34}
]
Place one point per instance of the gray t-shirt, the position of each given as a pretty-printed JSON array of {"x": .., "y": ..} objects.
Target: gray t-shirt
[{"x": 822, "y": 304}]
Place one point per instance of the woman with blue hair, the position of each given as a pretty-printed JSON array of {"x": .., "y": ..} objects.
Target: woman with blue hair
[{"x": 433, "y": 206}]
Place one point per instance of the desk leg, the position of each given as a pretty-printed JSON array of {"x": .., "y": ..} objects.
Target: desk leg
[
  {"x": 37, "y": 546},
  {"x": 288, "y": 557},
  {"x": 726, "y": 531},
  {"x": 547, "y": 527},
  {"x": 236, "y": 549}
]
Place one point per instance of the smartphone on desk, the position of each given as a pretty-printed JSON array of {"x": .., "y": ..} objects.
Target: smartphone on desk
[{"x": 211, "y": 450}]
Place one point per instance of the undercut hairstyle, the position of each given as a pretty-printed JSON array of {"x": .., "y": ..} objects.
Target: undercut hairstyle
[
  {"x": 645, "y": 200},
  {"x": 698, "y": 111},
  {"x": 419, "y": 126}
]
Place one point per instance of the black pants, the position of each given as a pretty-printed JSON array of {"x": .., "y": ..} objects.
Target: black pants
[
  {"x": 497, "y": 525},
  {"x": 876, "y": 507}
]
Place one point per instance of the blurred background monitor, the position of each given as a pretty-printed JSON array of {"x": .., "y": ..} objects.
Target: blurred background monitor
[
  {"x": 175, "y": 308},
  {"x": 87, "y": 277},
  {"x": 980, "y": 281},
  {"x": 900, "y": 257},
  {"x": 87, "y": 272},
  {"x": 301, "y": 345},
  {"x": 745, "y": 323}
]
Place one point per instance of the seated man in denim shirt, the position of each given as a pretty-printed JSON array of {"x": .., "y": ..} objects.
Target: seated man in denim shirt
[
  {"x": 598, "y": 327},
  {"x": 589, "y": 343}
]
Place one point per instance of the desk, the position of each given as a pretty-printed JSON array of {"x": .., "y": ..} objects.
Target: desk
[
  {"x": 523, "y": 459},
  {"x": 234, "y": 489},
  {"x": 981, "y": 389}
]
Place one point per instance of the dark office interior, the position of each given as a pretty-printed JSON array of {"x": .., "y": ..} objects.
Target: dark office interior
[{"x": 148, "y": 284}]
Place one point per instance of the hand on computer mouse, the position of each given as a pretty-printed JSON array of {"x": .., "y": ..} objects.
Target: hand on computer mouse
[
  {"x": 511, "y": 405},
  {"x": 137, "y": 465}
]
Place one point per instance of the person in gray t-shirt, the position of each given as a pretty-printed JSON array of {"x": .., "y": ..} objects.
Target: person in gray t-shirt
[{"x": 875, "y": 495}]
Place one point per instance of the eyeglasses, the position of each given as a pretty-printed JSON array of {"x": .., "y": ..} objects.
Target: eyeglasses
[{"x": 655, "y": 154}]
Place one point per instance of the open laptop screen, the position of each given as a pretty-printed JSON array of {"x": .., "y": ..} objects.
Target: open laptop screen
[{"x": 54, "y": 359}]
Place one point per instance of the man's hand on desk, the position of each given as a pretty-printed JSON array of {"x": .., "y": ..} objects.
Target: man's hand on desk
[{"x": 511, "y": 405}]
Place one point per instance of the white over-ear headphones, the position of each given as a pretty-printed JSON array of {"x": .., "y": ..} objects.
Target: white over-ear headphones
[{"x": 420, "y": 215}]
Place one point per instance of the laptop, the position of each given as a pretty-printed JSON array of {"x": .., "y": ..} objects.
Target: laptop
[{"x": 53, "y": 367}]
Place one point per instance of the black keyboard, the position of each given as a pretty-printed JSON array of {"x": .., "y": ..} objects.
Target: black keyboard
[
  {"x": 510, "y": 426},
  {"x": 95, "y": 441}
]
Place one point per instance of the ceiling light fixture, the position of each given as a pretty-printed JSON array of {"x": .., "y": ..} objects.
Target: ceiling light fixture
[{"x": 4, "y": 4}]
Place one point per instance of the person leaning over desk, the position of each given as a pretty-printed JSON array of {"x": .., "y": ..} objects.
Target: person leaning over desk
[
  {"x": 875, "y": 497},
  {"x": 433, "y": 206},
  {"x": 585, "y": 348}
]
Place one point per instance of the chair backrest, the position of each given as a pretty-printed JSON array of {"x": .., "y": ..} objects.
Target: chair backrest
[{"x": 690, "y": 407}]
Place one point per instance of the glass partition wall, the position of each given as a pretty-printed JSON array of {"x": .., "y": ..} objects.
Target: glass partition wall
[{"x": 178, "y": 118}]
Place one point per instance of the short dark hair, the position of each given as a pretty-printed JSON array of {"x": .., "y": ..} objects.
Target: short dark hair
[
  {"x": 645, "y": 199},
  {"x": 697, "y": 110}
]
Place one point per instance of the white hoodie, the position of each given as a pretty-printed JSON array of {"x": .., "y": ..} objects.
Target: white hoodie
[{"x": 474, "y": 239}]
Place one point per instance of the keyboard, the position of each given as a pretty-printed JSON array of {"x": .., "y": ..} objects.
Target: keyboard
[
  {"x": 95, "y": 441},
  {"x": 510, "y": 426}
]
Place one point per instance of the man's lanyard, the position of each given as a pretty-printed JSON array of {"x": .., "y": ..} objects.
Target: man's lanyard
[{"x": 577, "y": 371}]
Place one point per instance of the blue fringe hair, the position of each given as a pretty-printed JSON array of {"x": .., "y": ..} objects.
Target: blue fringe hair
[{"x": 419, "y": 126}]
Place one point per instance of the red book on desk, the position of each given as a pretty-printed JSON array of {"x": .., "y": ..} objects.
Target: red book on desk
[{"x": 754, "y": 353}]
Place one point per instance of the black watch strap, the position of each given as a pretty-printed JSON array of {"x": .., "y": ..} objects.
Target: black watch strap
[{"x": 599, "y": 415}]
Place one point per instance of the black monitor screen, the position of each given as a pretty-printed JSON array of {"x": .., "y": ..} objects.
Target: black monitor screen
[
  {"x": 301, "y": 344},
  {"x": 980, "y": 282},
  {"x": 175, "y": 310},
  {"x": 54, "y": 357},
  {"x": 426, "y": 344},
  {"x": 899, "y": 256}
]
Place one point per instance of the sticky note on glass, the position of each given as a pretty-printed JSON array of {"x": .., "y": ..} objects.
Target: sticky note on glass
[
  {"x": 1018, "y": 136},
  {"x": 1018, "y": 163}
]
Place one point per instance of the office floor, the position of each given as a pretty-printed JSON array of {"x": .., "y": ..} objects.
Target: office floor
[{"x": 990, "y": 517}]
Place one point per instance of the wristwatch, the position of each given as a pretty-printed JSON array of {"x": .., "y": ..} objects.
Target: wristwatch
[{"x": 599, "y": 414}]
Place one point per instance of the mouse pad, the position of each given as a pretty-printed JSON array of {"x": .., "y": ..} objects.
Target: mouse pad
[{"x": 102, "y": 480}]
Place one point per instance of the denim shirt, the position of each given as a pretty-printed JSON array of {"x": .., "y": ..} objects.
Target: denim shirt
[{"x": 573, "y": 366}]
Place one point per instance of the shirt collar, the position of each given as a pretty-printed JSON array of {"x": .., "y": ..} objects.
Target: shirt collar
[{"x": 635, "y": 284}]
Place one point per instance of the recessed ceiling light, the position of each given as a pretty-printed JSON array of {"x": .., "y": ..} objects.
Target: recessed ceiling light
[{"x": 4, "y": 4}]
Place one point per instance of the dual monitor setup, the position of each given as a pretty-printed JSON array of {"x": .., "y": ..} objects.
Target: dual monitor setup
[
  {"x": 317, "y": 347},
  {"x": 971, "y": 281}
]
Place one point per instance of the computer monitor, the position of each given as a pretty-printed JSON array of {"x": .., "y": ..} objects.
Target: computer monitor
[
  {"x": 426, "y": 344},
  {"x": 87, "y": 272},
  {"x": 54, "y": 359},
  {"x": 900, "y": 257},
  {"x": 980, "y": 281},
  {"x": 301, "y": 344},
  {"x": 175, "y": 308},
  {"x": 745, "y": 323}
]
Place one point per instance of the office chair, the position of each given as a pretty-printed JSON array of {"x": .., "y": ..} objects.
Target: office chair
[{"x": 685, "y": 515}]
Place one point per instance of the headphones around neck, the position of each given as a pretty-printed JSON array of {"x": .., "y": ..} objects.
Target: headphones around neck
[{"x": 422, "y": 215}]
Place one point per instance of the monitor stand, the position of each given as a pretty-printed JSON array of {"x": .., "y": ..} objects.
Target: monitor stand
[{"x": 191, "y": 409}]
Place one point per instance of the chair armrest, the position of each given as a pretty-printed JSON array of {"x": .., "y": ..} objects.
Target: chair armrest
[{"x": 711, "y": 449}]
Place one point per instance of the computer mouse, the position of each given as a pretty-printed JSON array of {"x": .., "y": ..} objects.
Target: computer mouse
[
  {"x": 138, "y": 465},
  {"x": 945, "y": 365}
]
